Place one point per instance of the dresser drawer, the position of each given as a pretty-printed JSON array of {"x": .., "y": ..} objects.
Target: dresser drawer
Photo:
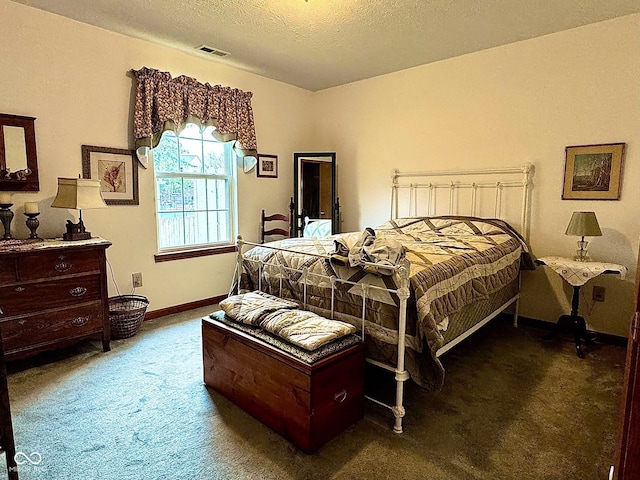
[
  {"x": 32, "y": 297},
  {"x": 54, "y": 264},
  {"x": 51, "y": 326},
  {"x": 7, "y": 270}
]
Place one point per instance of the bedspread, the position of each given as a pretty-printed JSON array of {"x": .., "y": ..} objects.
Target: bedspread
[{"x": 453, "y": 262}]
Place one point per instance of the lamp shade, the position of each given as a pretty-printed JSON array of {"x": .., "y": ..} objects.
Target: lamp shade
[
  {"x": 583, "y": 224},
  {"x": 78, "y": 193}
]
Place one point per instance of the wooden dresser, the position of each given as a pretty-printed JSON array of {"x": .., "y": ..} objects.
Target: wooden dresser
[{"x": 52, "y": 293}]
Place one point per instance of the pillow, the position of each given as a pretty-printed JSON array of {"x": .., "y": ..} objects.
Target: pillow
[
  {"x": 305, "y": 329},
  {"x": 251, "y": 307}
]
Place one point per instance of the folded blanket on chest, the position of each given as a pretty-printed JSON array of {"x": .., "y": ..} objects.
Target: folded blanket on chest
[
  {"x": 251, "y": 307},
  {"x": 282, "y": 318},
  {"x": 305, "y": 329}
]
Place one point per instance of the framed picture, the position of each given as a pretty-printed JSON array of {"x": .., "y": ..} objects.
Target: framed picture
[
  {"x": 117, "y": 170},
  {"x": 267, "y": 166},
  {"x": 593, "y": 172}
]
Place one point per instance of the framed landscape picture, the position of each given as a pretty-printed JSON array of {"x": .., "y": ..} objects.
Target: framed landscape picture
[
  {"x": 593, "y": 172},
  {"x": 117, "y": 170},
  {"x": 267, "y": 166}
]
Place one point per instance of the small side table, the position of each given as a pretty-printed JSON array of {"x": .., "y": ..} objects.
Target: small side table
[{"x": 577, "y": 274}]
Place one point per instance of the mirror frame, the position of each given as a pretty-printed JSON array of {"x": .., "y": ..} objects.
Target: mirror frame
[
  {"x": 31, "y": 183},
  {"x": 335, "y": 203}
]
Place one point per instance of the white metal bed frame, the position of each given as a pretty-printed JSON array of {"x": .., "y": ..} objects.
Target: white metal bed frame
[
  {"x": 402, "y": 292},
  {"x": 454, "y": 187}
]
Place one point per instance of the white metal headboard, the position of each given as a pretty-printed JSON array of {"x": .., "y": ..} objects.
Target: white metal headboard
[{"x": 497, "y": 179}]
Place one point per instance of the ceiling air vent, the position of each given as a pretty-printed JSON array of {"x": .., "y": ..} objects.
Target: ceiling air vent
[{"x": 212, "y": 51}]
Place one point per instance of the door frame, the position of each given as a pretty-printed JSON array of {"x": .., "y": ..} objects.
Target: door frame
[
  {"x": 328, "y": 157},
  {"x": 627, "y": 461}
]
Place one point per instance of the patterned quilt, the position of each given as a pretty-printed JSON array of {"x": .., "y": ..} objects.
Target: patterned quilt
[{"x": 453, "y": 262}]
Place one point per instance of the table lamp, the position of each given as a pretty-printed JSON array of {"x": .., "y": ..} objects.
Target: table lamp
[
  {"x": 78, "y": 193},
  {"x": 583, "y": 224}
]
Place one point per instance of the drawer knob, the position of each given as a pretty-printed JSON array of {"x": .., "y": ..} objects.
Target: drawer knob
[
  {"x": 340, "y": 396},
  {"x": 62, "y": 267},
  {"x": 78, "y": 291},
  {"x": 19, "y": 289},
  {"x": 79, "y": 321}
]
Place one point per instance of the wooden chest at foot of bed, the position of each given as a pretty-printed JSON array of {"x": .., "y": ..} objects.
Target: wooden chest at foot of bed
[{"x": 308, "y": 404}]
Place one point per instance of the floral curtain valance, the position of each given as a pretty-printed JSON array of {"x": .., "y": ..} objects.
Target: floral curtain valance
[{"x": 166, "y": 103}]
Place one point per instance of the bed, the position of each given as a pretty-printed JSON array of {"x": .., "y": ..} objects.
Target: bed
[{"x": 421, "y": 282}]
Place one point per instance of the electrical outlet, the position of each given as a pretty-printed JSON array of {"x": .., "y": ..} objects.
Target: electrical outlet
[
  {"x": 136, "y": 279},
  {"x": 598, "y": 293}
]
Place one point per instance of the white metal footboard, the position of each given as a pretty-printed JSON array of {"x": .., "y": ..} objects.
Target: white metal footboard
[{"x": 401, "y": 374}]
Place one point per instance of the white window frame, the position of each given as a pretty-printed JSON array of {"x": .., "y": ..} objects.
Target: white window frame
[{"x": 232, "y": 182}]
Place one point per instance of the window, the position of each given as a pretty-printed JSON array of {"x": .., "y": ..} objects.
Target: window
[{"x": 195, "y": 190}]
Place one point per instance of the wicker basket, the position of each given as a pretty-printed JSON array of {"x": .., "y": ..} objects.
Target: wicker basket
[{"x": 126, "y": 313}]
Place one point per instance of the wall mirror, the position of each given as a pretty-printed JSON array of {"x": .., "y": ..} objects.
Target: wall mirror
[
  {"x": 316, "y": 206},
  {"x": 18, "y": 158}
]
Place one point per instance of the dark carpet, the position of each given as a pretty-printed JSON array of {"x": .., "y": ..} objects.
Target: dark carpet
[{"x": 514, "y": 407}]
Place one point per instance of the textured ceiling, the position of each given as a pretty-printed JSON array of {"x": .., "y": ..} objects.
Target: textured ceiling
[{"x": 317, "y": 44}]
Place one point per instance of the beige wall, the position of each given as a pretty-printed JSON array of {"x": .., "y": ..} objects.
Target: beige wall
[
  {"x": 73, "y": 78},
  {"x": 518, "y": 103},
  {"x": 504, "y": 106}
]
